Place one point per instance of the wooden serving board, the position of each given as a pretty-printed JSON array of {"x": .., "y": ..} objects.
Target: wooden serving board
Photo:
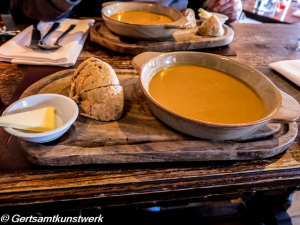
[
  {"x": 139, "y": 137},
  {"x": 183, "y": 39}
]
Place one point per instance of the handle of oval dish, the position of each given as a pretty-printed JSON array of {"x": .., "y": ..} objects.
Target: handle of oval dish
[
  {"x": 142, "y": 59},
  {"x": 181, "y": 23},
  {"x": 289, "y": 110}
]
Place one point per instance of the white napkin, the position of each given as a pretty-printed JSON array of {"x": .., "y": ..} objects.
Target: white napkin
[
  {"x": 296, "y": 13},
  {"x": 288, "y": 68},
  {"x": 14, "y": 50}
]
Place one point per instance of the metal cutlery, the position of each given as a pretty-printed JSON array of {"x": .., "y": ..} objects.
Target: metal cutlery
[
  {"x": 54, "y": 26},
  {"x": 36, "y": 38},
  {"x": 56, "y": 45},
  {"x": 9, "y": 33}
]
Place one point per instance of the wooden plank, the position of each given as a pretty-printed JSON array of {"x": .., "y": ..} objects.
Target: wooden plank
[
  {"x": 139, "y": 137},
  {"x": 183, "y": 39}
]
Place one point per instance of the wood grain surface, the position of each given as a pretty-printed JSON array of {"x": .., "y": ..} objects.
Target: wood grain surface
[
  {"x": 27, "y": 185},
  {"x": 183, "y": 39},
  {"x": 258, "y": 45},
  {"x": 139, "y": 137}
]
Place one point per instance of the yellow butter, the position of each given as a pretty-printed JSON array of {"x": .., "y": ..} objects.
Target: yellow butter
[
  {"x": 40, "y": 120},
  {"x": 204, "y": 13}
]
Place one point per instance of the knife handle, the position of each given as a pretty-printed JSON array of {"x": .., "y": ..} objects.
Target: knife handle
[
  {"x": 66, "y": 32},
  {"x": 54, "y": 27}
]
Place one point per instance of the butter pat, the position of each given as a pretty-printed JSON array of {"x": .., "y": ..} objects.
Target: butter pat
[
  {"x": 40, "y": 120},
  {"x": 204, "y": 13}
]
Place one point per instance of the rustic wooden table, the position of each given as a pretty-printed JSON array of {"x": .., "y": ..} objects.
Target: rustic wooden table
[
  {"x": 266, "y": 184},
  {"x": 278, "y": 16}
]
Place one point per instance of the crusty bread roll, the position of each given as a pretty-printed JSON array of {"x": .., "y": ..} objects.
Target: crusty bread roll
[
  {"x": 190, "y": 15},
  {"x": 104, "y": 103},
  {"x": 95, "y": 87},
  {"x": 211, "y": 27}
]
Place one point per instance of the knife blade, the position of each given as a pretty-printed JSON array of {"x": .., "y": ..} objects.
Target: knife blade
[{"x": 35, "y": 36}]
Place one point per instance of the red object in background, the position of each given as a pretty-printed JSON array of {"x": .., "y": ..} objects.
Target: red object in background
[
  {"x": 2, "y": 27},
  {"x": 281, "y": 6}
]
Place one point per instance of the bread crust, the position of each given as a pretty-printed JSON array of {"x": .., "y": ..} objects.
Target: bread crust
[
  {"x": 211, "y": 27},
  {"x": 190, "y": 15},
  {"x": 95, "y": 87},
  {"x": 92, "y": 74},
  {"x": 105, "y": 103}
]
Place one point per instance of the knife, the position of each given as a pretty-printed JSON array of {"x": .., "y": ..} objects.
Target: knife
[{"x": 35, "y": 36}]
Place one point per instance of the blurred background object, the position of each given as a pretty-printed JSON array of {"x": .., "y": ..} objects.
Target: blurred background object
[{"x": 4, "y": 7}]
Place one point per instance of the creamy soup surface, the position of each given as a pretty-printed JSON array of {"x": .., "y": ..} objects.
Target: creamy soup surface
[
  {"x": 141, "y": 17},
  {"x": 206, "y": 94}
]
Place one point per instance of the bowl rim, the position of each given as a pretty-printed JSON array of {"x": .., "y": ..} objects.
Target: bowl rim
[
  {"x": 222, "y": 16},
  {"x": 48, "y": 133},
  {"x": 140, "y": 3},
  {"x": 263, "y": 120}
]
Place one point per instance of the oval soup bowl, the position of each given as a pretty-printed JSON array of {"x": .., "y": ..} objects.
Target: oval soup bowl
[
  {"x": 142, "y": 31},
  {"x": 279, "y": 107}
]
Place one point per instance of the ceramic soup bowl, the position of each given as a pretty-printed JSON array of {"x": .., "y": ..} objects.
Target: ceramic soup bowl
[
  {"x": 279, "y": 107},
  {"x": 142, "y": 31}
]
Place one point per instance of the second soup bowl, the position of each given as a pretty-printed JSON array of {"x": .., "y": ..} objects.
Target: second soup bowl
[{"x": 142, "y": 31}]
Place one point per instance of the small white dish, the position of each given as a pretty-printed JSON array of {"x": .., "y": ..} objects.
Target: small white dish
[
  {"x": 220, "y": 16},
  {"x": 66, "y": 111}
]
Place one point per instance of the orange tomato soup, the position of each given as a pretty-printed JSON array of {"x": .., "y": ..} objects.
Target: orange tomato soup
[
  {"x": 206, "y": 94},
  {"x": 141, "y": 17}
]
